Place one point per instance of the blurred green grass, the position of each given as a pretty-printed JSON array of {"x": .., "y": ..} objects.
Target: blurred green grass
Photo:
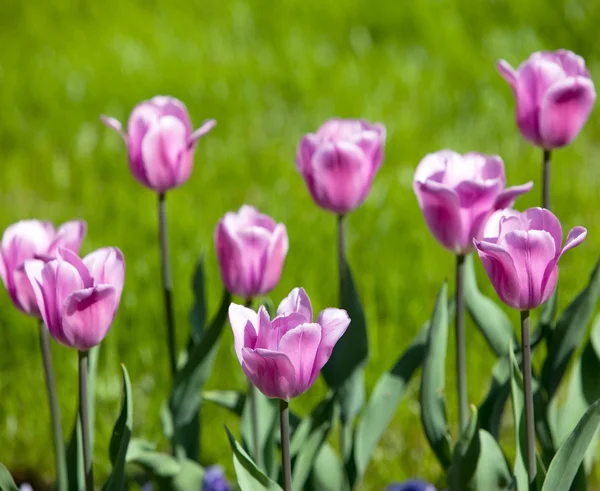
[{"x": 268, "y": 72}]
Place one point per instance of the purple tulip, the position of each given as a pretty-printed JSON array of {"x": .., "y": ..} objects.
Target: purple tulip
[
  {"x": 457, "y": 193},
  {"x": 520, "y": 253},
  {"x": 411, "y": 485},
  {"x": 339, "y": 161},
  {"x": 214, "y": 479},
  {"x": 283, "y": 357},
  {"x": 554, "y": 96},
  {"x": 33, "y": 239},
  {"x": 78, "y": 298},
  {"x": 251, "y": 249},
  {"x": 160, "y": 142}
]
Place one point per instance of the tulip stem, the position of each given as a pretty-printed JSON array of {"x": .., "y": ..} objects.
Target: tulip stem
[
  {"x": 254, "y": 415},
  {"x": 167, "y": 280},
  {"x": 85, "y": 424},
  {"x": 461, "y": 355},
  {"x": 341, "y": 253},
  {"x": 284, "y": 419},
  {"x": 546, "y": 179},
  {"x": 529, "y": 421},
  {"x": 57, "y": 434}
]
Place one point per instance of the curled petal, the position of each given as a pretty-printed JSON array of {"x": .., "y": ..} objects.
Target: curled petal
[
  {"x": 542, "y": 219},
  {"x": 491, "y": 230},
  {"x": 68, "y": 256},
  {"x": 271, "y": 372},
  {"x": 565, "y": 109},
  {"x": 24, "y": 296},
  {"x": 241, "y": 319},
  {"x": 501, "y": 271},
  {"x": 508, "y": 72},
  {"x": 300, "y": 345},
  {"x": 574, "y": 238},
  {"x": 264, "y": 330},
  {"x": 334, "y": 323},
  {"x": 507, "y": 198},
  {"x": 107, "y": 267},
  {"x": 113, "y": 124},
  {"x": 33, "y": 271},
  {"x": 69, "y": 235},
  {"x": 200, "y": 132},
  {"x": 296, "y": 301}
]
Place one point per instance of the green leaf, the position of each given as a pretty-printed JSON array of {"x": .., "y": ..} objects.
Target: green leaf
[
  {"x": 432, "y": 397},
  {"x": 119, "y": 440},
  {"x": 465, "y": 456},
  {"x": 491, "y": 320},
  {"x": 327, "y": 473},
  {"x": 547, "y": 315},
  {"x": 144, "y": 454},
  {"x": 308, "y": 438},
  {"x": 190, "y": 477},
  {"x": 233, "y": 400},
  {"x": 493, "y": 472},
  {"x": 518, "y": 403},
  {"x": 384, "y": 401},
  {"x": 492, "y": 407},
  {"x": 569, "y": 332},
  {"x": 198, "y": 313},
  {"x": 566, "y": 462},
  {"x": 6, "y": 480},
  {"x": 74, "y": 451},
  {"x": 249, "y": 477}
]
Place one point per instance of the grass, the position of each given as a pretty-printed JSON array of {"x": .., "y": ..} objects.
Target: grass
[{"x": 268, "y": 72}]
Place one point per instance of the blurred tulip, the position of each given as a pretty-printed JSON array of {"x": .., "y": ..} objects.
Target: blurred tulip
[
  {"x": 457, "y": 193},
  {"x": 33, "y": 239},
  {"x": 160, "y": 142},
  {"x": 251, "y": 249},
  {"x": 214, "y": 479},
  {"x": 78, "y": 298},
  {"x": 521, "y": 255},
  {"x": 283, "y": 357},
  {"x": 339, "y": 161},
  {"x": 554, "y": 95},
  {"x": 411, "y": 485}
]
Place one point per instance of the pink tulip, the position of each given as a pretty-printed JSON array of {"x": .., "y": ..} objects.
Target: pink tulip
[
  {"x": 33, "y": 239},
  {"x": 283, "y": 357},
  {"x": 160, "y": 142},
  {"x": 457, "y": 193},
  {"x": 339, "y": 161},
  {"x": 78, "y": 298},
  {"x": 251, "y": 249},
  {"x": 520, "y": 254},
  {"x": 554, "y": 96}
]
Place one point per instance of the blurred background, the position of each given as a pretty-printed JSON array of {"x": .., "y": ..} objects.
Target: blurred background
[{"x": 267, "y": 72}]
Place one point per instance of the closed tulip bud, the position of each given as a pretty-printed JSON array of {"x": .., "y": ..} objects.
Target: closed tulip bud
[
  {"x": 251, "y": 249},
  {"x": 283, "y": 357},
  {"x": 339, "y": 161},
  {"x": 33, "y": 239},
  {"x": 78, "y": 298},
  {"x": 520, "y": 253},
  {"x": 554, "y": 95},
  {"x": 160, "y": 142},
  {"x": 457, "y": 193}
]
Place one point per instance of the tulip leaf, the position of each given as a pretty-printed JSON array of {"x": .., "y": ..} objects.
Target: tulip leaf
[
  {"x": 327, "y": 473},
  {"x": 570, "y": 455},
  {"x": 569, "y": 332},
  {"x": 547, "y": 314},
  {"x": 491, "y": 320},
  {"x": 198, "y": 312},
  {"x": 432, "y": 397},
  {"x": 119, "y": 440},
  {"x": 233, "y": 400},
  {"x": 6, "y": 481},
  {"x": 308, "y": 438},
  {"x": 186, "y": 396},
  {"x": 518, "y": 403},
  {"x": 492, "y": 407},
  {"x": 384, "y": 401},
  {"x": 74, "y": 451},
  {"x": 492, "y": 472},
  {"x": 249, "y": 476},
  {"x": 465, "y": 455}
]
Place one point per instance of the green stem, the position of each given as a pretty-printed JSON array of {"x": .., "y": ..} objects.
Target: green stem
[
  {"x": 461, "y": 355},
  {"x": 286, "y": 463},
  {"x": 85, "y": 424},
  {"x": 546, "y": 179},
  {"x": 527, "y": 388}
]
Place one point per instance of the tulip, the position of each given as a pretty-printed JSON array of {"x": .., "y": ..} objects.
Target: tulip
[
  {"x": 521, "y": 254},
  {"x": 33, "y": 239},
  {"x": 457, "y": 193},
  {"x": 411, "y": 485},
  {"x": 160, "y": 142},
  {"x": 283, "y": 357},
  {"x": 78, "y": 298},
  {"x": 339, "y": 161},
  {"x": 554, "y": 96},
  {"x": 214, "y": 479},
  {"x": 251, "y": 249}
]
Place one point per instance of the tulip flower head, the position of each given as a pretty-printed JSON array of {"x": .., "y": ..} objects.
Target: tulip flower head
[
  {"x": 283, "y": 357},
  {"x": 78, "y": 298},
  {"x": 520, "y": 254},
  {"x": 251, "y": 249},
  {"x": 339, "y": 161},
  {"x": 33, "y": 239},
  {"x": 160, "y": 142},
  {"x": 457, "y": 193},
  {"x": 554, "y": 95}
]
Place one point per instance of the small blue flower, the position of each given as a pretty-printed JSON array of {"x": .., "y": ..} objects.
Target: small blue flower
[
  {"x": 25, "y": 487},
  {"x": 214, "y": 479},
  {"x": 147, "y": 487},
  {"x": 411, "y": 485}
]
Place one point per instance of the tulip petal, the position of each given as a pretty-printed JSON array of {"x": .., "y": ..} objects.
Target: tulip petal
[
  {"x": 68, "y": 256},
  {"x": 574, "y": 238},
  {"x": 114, "y": 124},
  {"x": 542, "y": 219},
  {"x": 572, "y": 64},
  {"x": 304, "y": 154},
  {"x": 45, "y": 301},
  {"x": 208, "y": 125},
  {"x": 296, "y": 301},
  {"x": 301, "y": 345},
  {"x": 229, "y": 255},
  {"x": 280, "y": 326},
  {"x": 248, "y": 216},
  {"x": 508, "y": 72},
  {"x": 491, "y": 230},
  {"x": 507, "y": 198},
  {"x": 500, "y": 268},
  {"x": 264, "y": 330},
  {"x": 334, "y": 323},
  {"x": 565, "y": 109},
  {"x": 241, "y": 318},
  {"x": 170, "y": 106},
  {"x": 276, "y": 253},
  {"x": 107, "y": 267},
  {"x": 69, "y": 235},
  {"x": 254, "y": 243},
  {"x": 271, "y": 372},
  {"x": 25, "y": 298},
  {"x": 87, "y": 316},
  {"x": 433, "y": 166}
]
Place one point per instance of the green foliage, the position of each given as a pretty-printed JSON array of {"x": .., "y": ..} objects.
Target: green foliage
[{"x": 6, "y": 480}]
